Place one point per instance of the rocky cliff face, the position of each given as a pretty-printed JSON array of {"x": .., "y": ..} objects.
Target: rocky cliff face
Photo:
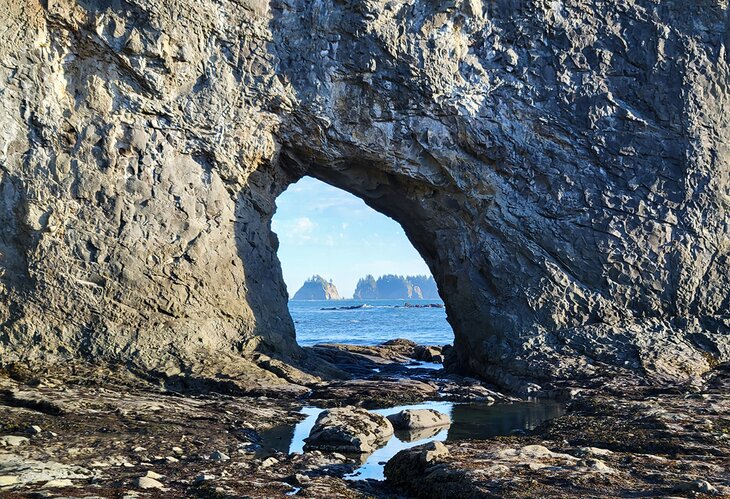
[
  {"x": 317, "y": 288},
  {"x": 561, "y": 166}
]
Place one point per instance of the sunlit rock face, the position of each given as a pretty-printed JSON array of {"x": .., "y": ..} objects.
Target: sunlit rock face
[
  {"x": 562, "y": 168},
  {"x": 317, "y": 288}
]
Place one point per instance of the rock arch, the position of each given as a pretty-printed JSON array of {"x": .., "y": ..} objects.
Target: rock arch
[{"x": 562, "y": 169}]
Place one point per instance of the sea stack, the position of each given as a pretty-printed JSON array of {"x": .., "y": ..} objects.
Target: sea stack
[{"x": 317, "y": 288}]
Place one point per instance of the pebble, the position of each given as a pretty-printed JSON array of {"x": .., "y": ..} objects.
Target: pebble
[
  {"x": 248, "y": 447},
  {"x": 511, "y": 57},
  {"x": 177, "y": 450},
  {"x": 269, "y": 462},
  {"x": 144, "y": 482},
  {"x": 204, "y": 477},
  {"x": 598, "y": 466},
  {"x": 172, "y": 459},
  {"x": 151, "y": 474},
  {"x": 35, "y": 430},
  {"x": 302, "y": 478},
  {"x": 219, "y": 456}
]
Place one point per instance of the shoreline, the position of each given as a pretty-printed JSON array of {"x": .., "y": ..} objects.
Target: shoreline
[{"x": 104, "y": 432}]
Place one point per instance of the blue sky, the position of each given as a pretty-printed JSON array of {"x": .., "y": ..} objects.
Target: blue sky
[{"x": 324, "y": 230}]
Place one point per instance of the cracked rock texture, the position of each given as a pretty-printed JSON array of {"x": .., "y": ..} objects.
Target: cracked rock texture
[{"x": 561, "y": 166}]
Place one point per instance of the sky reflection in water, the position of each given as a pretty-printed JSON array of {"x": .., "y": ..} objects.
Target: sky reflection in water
[{"x": 469, "y": 421}]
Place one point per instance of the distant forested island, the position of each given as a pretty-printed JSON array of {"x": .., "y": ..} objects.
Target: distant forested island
[
  {"x": 387, "y": 287},
  {"x": 317, "y": 288},
  {"x": 395, "y": 287}
]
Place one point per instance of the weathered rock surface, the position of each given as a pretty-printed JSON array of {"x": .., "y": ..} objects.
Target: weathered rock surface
[
  {"x": 374, "y": 393},
  {"x": 402, "y": 469},
  {"x": 349, "y": 430},
  {"x": 619, "y": 441},
  {"x": 13, "y": 441},
  {"x": 562, "y": 167},
  {"x": 17, "y": 471},
  {"x": 414, "y": 419}
]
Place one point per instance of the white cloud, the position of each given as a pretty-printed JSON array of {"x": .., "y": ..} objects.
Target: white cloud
[
  {"x": 297, "y": 231},
  {"x": 303, "y": 225}
]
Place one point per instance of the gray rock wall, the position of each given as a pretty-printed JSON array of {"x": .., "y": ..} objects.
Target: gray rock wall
[
  {"x": 561, "y": 166},
  {"x": 137, "y": 186}
]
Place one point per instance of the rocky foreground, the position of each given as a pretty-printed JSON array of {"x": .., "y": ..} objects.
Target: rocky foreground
[{"x": 82, "y": 431}]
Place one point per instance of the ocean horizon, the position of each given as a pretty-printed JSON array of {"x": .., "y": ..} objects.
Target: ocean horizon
[{"x": 376, "y": 322}]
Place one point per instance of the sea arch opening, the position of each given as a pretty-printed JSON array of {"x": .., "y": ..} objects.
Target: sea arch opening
[{"x": 352, "y": 274}]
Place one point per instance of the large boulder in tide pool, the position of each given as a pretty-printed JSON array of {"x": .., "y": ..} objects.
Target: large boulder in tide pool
[
  {"x": 349, "y": 430},
  {"x": 413, "y": 419},
  {"x": 418, "y": 434}
]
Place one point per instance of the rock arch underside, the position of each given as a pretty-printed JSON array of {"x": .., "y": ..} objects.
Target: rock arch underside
[{"x": 561, "y": 166}]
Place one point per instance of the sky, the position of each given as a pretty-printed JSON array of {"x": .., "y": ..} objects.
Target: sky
[{"x": 324, "y": 230}]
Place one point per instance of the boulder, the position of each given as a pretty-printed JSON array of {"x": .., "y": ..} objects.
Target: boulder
[
  {"x": 413, "y": 419},
  {"x": 145, "y": 482},
  {"x": 427, "y": 353},
  {"x": 349, "y": 430},
  {"x": 411, "y": 464}
]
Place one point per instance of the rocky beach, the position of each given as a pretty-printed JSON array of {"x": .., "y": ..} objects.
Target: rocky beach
[{"x": 84, "y": 431}]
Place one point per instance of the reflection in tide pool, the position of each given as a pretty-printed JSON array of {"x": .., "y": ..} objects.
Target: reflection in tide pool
[{"x": 468, "y": 421}]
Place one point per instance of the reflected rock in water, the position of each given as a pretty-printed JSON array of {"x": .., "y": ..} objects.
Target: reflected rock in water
[
  {"x": 419, "y": 434},
  {"x": 479, "y": 421}
]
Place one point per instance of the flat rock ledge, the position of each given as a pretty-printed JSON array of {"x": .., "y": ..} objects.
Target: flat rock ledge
[
  {"x": 349, "y": 430},
  {"x": 414, "y": 419}
]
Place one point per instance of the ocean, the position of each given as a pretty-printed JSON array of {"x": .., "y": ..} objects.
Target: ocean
[{"x": 375, "y": 322}]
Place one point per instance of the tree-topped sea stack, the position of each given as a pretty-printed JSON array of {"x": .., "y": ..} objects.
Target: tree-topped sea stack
[
  {"x": 393, "y": 287},
  {"x": 317, "y": 288}
]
